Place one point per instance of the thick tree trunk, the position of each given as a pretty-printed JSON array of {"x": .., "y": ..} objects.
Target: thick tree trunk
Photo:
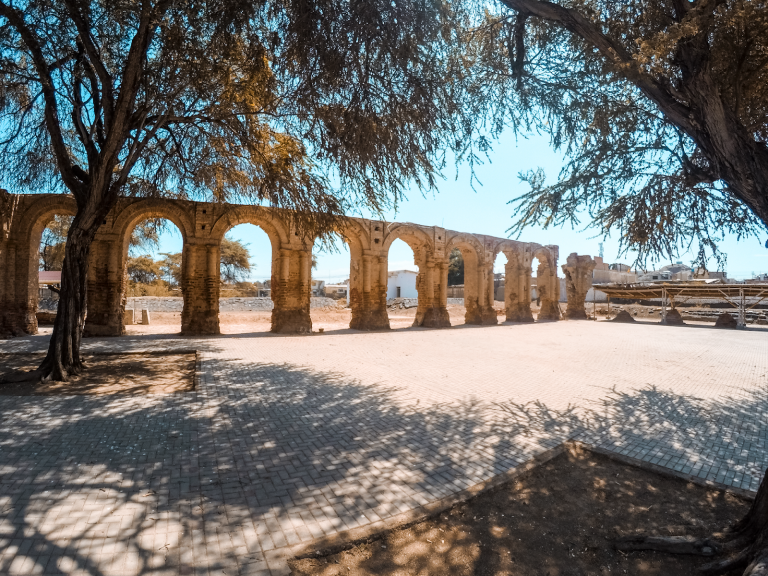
[
  {"x": 744, "y": 545},
  {"x": 63, "y": 358}
]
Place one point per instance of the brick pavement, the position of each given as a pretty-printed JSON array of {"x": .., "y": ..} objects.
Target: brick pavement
[{"x": 289, "y": 439}]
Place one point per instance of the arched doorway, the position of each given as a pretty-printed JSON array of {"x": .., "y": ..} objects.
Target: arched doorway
[
  {"x": 154, "y": 300},
  {"x": 245, "y": 271},
  {"x": 431, "y": 274}
]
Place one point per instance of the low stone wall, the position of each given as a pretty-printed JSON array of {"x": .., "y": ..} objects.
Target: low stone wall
[
  {"x": 176, "y": 303},
  {"x": 413, "y": 302}
]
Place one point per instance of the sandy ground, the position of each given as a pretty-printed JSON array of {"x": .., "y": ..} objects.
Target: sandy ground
[
  {"x": 259, "y": 321},
  {"x": 559, "y": 520},
  {"x": 108, "y": 374}
]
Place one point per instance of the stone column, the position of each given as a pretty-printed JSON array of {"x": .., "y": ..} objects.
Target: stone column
[
  {"x": 436, "y": 313},
  {"x": 517, "y": 288},
  {"x": 291, "y": 293},
  {"x": 546, "y": 280},
  {"x": 487, "y": 313},
  {"x": 578, "y": 280},
  {"x": 200, "y": 288},
  {"x": 370, "y": 310},
  {"x": 106, "y": 303}
]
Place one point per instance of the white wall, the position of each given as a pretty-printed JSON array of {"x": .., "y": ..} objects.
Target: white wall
[{"x": 406, "y": 280}]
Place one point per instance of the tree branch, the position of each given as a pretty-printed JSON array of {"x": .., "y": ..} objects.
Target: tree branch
[
  {"x": 107, "y": 83},
  {"x": 65, "y": 165},
  {"x": 575, "y": 22}
]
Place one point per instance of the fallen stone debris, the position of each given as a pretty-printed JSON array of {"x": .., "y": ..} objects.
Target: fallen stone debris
[
  {"x": 624, "y": 316},
  {"x": 726, "y": 320}
]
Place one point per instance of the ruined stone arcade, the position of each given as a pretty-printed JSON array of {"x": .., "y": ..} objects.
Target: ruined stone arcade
[{"x": 203, "y": 226}]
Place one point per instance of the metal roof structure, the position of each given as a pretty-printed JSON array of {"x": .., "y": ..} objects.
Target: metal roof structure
[{"x": 741, "y": 296}]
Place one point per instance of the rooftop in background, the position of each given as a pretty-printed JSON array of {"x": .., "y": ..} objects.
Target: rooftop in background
[{"x": 49, "y": 277}]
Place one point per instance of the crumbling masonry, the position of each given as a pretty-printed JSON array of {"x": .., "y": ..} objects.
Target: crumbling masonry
[
  {"x": 578, "y": 281},
  {"x": 203, "y": 225}
]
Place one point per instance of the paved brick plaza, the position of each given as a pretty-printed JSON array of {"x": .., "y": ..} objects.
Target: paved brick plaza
[{"x": 288, "y": 439}]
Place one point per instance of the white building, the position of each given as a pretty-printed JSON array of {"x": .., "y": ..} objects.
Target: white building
[{"x": 401, "y": 284}]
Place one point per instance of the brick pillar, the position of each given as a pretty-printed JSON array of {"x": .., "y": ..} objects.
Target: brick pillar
[
  {"x": 17, "y": 315},
  {"x": 369, "y": 305},
  {"x": 106, "y": 300},
  {"x": 548, "y": 288},
  {"x": 487, "y": 313},
  {"x": 200, "y": 288},
  {"x": 578, "y": 280},
  {"x": 436, "y": 313},
  {"x": 291, "y": 293},
  {"x": 517, "y": 290}
]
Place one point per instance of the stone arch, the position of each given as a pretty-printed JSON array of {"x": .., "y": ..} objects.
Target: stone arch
[
  {"x": 418, "y": 240},
  {"x": 34, "y": 220},
  {"x": 367, "y": 293},
  {"x": 106, "y": 306},
  {"x": 431, "y": 311},
  {"x": 275, "y": 228},
  {"x": 478, "y": 298},
  {"x": 127, "y": 219}
]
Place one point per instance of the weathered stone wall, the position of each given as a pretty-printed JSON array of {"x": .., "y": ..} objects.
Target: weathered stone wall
[{"x": 203, "y": 225}]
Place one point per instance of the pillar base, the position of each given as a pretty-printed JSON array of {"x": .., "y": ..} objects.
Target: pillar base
[
  {"x": 575, "y": 313},
  {"x": 16, "y": 323},
  {"x": 200, "y": 324},
  {"x": 550, "y": 311},
  {"x": 488, "y": 316},
  {"x": 370, "y": 320},
  {"x": 436, "y": 317},
  {"x": 291, "y": 321},
  {"x": 519, "y": 313},
  {"x": 103, "y": 327}
]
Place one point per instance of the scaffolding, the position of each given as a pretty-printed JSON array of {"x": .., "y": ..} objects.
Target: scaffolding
[{"x": 743, "y": 297}]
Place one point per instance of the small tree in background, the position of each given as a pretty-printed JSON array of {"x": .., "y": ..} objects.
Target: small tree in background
[
  {"x": 52, "y": 243},
  {"x": 235, "y": 261},
  {"x": 455, "y": 268},
  {"x": 143, "y": 269}
]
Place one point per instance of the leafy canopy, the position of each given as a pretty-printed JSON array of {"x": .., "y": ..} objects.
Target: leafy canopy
[
  {"x": 659, "y": 105},
  {"x": 321, "y": 107}
]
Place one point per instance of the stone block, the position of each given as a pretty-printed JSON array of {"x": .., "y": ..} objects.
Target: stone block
[
  {"x": 128, "y": 317},
  {"x": 145, "y": 316}
]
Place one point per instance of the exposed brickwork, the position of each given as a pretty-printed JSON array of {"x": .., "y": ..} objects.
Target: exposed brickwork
[{"x": 202, "y": 227}]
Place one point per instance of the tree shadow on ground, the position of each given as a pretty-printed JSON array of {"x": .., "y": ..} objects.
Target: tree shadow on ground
[
  {"x": 262, "y": 456},
  {"x": 259, "y": 457}
]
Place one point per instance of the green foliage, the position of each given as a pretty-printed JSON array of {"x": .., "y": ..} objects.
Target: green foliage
[
  {"x": 322, "y": 107},
  {"x": 235, "y": 261},
  {"x": 170, "y": 268},
  {"x": 143, "y": 269},
  {"x": 455, "y": 268},
  {"x": 52, "y": 243},
  {"x": 659, "y": 106}
]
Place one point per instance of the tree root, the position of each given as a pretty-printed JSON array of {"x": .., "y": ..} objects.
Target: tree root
[
  {"x": 670, "y": 544},
  {"x": 744, "y": 545}
]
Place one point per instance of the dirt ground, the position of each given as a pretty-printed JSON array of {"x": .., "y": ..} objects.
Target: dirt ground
[
  {"x": 559, "y": 520},
  {"x": 329, "y": 319},
  {"x": 108, "y": 374}
]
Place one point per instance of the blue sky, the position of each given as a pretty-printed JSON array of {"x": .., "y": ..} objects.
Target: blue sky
[{"x": 485, "y": 210}]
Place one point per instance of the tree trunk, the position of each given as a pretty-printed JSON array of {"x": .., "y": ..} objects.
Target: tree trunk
[
  {"x": 63, "y": 358},
  {"x": 744, "y": 545}
]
